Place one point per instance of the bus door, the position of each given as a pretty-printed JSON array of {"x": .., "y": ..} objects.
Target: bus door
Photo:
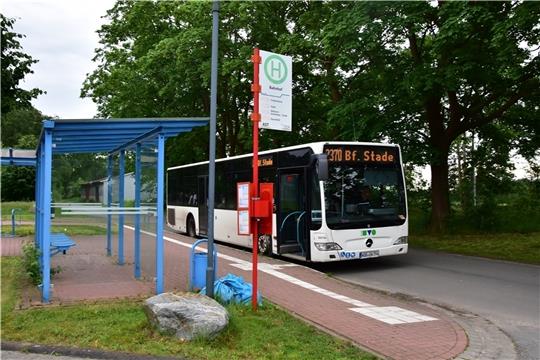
[
  {"x": 202, "y": 196},
  {"x": 292, "y": 212}
]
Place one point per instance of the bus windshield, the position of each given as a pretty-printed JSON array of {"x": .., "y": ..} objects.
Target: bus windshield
[{"x": 360, "y": 195}]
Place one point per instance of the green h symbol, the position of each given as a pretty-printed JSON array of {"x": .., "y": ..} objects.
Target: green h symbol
[
  {"x": 275, "y": 69},
  {"x": 276, "y": 66}
]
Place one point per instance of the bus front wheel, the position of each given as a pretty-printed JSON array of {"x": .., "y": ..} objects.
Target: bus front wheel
[
  {"x": 191, "y": 227},
  {"x": 264, "y": 245}
]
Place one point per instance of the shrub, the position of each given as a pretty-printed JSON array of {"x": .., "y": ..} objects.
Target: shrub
[{"x": 31, "y": 264}]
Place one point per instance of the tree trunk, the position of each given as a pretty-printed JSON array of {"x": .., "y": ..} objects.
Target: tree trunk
[
  {"x": 440, "y": 147},
  {"x": 440, "y": 202},
  {"x": 461, "y": 154}
]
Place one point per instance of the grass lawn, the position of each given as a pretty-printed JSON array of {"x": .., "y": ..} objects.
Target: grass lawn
[
  {"x": 270, "y": 333},
  {"x": 25, "y": 230},
  {"x": 518, "y": 247},
  {"x": 25, "y": 210}
]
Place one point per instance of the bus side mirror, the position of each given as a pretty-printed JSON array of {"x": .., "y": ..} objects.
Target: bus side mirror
[{"x": 321, "y": 166}]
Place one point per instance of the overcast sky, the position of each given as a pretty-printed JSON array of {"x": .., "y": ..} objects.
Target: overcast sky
[{"x": 61, "y": 34}]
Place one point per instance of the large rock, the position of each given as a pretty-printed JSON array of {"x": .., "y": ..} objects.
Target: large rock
[{"x": 186, "y": 315}]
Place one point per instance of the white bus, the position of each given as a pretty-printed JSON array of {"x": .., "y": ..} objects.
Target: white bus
[{"x": 332, "y": 200}]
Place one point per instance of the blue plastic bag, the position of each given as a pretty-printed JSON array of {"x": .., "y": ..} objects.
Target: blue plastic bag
[{"x": 233, "y": 289}]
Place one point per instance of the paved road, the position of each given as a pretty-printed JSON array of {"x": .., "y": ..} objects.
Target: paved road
[{"x": 505, "y": 293}]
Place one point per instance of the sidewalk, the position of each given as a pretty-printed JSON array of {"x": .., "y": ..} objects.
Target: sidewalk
[
  {"x": 390, "y": 327},
  {"x": 387, "y": 326}
]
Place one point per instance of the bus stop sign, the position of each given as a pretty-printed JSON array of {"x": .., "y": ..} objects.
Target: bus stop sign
[{"x": 276, "y": 91}]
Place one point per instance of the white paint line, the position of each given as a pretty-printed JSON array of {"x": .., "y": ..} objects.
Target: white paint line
[
  {"x": 199, "y": 248},
  {"x": 393, "y": 315},
  {"x": 245, "y": 267},
  {"x": 389, "y": 314},
  {"x": 311, "y": 287}
]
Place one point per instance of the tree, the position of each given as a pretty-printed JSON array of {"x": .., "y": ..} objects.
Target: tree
[
  {"x": 18, "y": 182},
  {"x": 20, "y": 122},
  {"x": 15, "y": 66},
  {"x": 155, "y": 61},
  {"x": 424, "y": 73},
  {"x": 421, "y": 74},
  {"x": 18, "y": 115}
]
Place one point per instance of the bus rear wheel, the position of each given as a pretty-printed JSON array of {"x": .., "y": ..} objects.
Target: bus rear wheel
[
  {"x": 191, "y": 227},
  {"x": 264, "y": 245}
]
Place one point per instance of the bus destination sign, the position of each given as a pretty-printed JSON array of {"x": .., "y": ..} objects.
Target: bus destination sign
[
  {"x": 371, "y": 154},
  {"x": 266, "y": 160}
]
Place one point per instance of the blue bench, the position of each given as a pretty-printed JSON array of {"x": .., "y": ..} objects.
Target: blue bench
[{"x": 60, "y": 243}]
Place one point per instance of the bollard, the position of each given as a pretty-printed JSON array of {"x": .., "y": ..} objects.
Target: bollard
[
  {"x": 13, "y": 211},
  {"x": 197, "y": 267}
]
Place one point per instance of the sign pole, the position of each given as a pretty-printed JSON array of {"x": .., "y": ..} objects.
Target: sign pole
[
  {"x": 255, "y": 118},
  {"x": 212, "y": 158}
]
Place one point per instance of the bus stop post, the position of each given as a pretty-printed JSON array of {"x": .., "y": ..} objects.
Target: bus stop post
[{"x": 255, "y": 118}]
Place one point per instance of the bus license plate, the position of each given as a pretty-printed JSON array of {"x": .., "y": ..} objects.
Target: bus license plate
[{"x": 369, "y": 254}]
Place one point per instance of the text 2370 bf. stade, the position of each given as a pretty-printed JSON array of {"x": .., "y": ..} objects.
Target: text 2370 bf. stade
[{"x": 332, "y": 200}]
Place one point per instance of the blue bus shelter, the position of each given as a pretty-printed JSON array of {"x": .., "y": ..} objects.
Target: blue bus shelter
[
  {"x": 113, "y": 137},
  {"x": 18, "y": 157}
]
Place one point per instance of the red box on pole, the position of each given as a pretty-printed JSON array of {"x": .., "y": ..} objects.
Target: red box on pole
[
  {"x": 261, "y": 209},
  {"x": 266, "y": 194}
]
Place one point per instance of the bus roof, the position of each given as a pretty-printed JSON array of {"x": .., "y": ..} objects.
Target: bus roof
[{"x": 316, "y": 146}]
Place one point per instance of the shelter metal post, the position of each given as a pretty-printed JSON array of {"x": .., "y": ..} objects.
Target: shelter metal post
[
  {"x": 109, "y": 202},
  {"x": 40, "y": 196},
  {"x": 39, "y": 204},
  {"x": 121, "y": 204},
  {"x": 137, "y": 254},
  {"x": 46, "y": 221},
  {"x": 37, "y": 214},
  {"x": 159, "y": 220}
]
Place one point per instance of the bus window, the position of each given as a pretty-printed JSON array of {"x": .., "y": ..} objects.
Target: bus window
[
  {"x": 291, "y": 218},
  {"x": 363, "y": 195},
  {"x": 290, "y": 193}
]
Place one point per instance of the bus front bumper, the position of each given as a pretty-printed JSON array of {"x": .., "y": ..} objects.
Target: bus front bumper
[{"x": 367, "y": 253}]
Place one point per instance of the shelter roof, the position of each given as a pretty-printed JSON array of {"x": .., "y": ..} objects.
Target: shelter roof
[{"x": 113, "y": 135}]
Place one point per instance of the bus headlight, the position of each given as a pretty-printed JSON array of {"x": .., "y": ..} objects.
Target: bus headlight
[
  {"x": 401, "y": 240},
  {"x": 327, "y": 246}
]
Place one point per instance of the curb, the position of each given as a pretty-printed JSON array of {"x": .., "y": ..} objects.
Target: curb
[{"x": 79, "y": 352}]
